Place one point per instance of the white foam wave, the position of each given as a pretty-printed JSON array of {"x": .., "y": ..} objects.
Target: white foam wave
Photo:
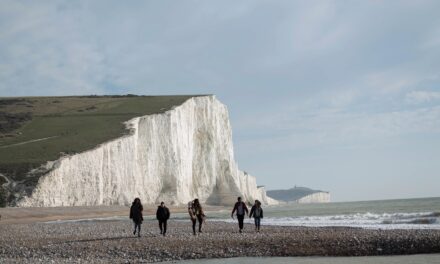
[{"x": 421, "y": 220}]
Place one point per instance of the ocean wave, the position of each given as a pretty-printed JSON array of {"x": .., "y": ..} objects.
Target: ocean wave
[
  {"x": 435, "y": 214},
  {"x": 418, "y": 220}
]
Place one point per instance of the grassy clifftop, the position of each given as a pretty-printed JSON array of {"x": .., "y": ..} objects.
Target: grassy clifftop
[{"x": 34, "y": 130}]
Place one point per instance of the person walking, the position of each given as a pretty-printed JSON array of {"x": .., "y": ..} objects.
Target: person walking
[
  {"x": 196, "y": 213},
  {"x": 241, "y": 208},
  {"x": 257, "y": 213},
  {"x": 136, "y": 215},
  {"x": 162, "y": 214}
]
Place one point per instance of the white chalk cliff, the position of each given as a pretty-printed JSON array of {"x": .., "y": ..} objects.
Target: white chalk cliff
[
  {"x": 318, "y": 197},
  {"x": 176, "y": 156}
]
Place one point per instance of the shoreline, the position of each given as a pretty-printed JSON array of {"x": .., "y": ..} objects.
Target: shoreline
[
  {"x": 27, "y": 215},
  {"x": 399, "y": 259},
  {"x": 113, "y": 240},
  {"x": 104, "y": 234}
]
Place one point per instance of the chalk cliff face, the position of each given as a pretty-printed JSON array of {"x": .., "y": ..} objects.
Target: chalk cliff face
[
  {"x": 300, "y": 195},
  {"x": 319, "y": 197},
  {"x": 176, "y": 156}
]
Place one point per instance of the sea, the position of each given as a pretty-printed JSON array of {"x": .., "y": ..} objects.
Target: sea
[{"x": 421, "y": 213}]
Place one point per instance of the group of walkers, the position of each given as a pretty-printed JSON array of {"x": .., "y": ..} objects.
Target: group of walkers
[
  {"x": 196, "y": 214},
  {"x": 241, "y": 209},
  {"x": 162, "y": 215}
]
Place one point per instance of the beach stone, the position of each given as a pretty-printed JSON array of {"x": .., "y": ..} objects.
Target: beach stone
[{"x": 113, "y": 241}]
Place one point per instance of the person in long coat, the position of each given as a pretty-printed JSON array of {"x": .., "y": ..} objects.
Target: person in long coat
[
  {"x": 136, "y": 215},
  {"x": 196, "y": 213}
]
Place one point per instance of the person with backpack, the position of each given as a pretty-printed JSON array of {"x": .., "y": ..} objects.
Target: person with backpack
[
  {"x": 196, "y": 213},
  {"x": 257, "y": 213},
  {"x": 136, "y": 215},
  {"x": 162, "y": 215},
  {"x": 241, "y": 208}
]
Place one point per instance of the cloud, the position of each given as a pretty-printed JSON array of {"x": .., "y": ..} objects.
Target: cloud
[
  {"x": 334, "y": 128},
  {"x": 329, "y": 60},
  {"x": 224, "y": 47},
  {"x": 385, "y": 83},
  {"x": 296, "y": 75},
  {"x": 45, "y": 53},
  {"x": 418, "y": 97},
  {"x": 432, "y": 40}
]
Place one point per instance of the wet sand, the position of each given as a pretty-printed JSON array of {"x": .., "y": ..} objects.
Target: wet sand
[
  {"x": 112, "y": 240},
  {"x": 401, "y": 259},
  {"x": 18, "y": 215}
]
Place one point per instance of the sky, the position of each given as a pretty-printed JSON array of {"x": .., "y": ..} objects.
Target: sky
[{"x": 341, "y": 96}]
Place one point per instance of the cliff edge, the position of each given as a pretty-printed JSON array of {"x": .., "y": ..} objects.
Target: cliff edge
[{"x": 175, "y": 156}]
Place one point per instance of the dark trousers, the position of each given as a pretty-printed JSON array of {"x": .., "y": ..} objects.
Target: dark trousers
[
  {"x": 163, "y": 226},
  {"x": 257, "y": 222},
  {"x": 137, "y": 227},
  {"x": 194, "y": 220},
  {"x": 240, "y": 221}
]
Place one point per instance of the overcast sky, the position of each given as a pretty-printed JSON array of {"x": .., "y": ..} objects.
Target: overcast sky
[{"x": 342, "y": 96}]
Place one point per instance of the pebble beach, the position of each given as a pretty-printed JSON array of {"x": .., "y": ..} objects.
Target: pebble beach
[{"x": 103, "y": 241}]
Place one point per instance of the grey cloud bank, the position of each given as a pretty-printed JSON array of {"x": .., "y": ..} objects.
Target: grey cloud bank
[{"x": 335, "y": 95}]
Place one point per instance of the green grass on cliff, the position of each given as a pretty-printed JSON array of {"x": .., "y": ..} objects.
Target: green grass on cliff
[{"x": 34, "y": 130}]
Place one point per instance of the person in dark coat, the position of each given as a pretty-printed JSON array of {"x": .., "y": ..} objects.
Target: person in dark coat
[
  {"x": 136, "y": 215},
  {"x": 162, "y": 214},
  {"x": 196, "y": 213},
  {"x": 257, "y": 213},
  {"x": 241, "y": 208}
]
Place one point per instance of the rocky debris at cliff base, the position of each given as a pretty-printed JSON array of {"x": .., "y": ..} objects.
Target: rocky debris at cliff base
[{"x": 104, "y": 241}]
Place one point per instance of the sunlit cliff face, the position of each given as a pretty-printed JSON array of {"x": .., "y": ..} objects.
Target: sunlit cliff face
[{"x": 176, "y": 156}]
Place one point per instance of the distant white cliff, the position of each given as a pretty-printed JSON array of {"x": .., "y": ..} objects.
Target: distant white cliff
[
  {"x": 300, "y": 195},
  {"x": 319, "y": 197},
  {"x": 176, "y": 156}
]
